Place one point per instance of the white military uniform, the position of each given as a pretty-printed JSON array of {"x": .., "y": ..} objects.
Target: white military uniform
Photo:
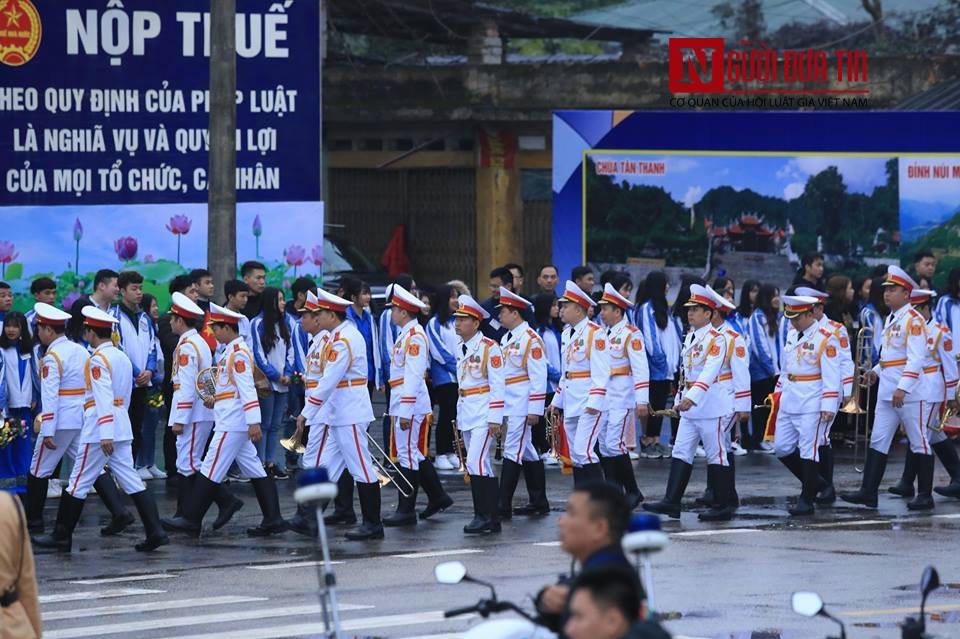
[
  {"x": 342, "y": 391},
  {"x": 735, "y": 376},
  {"x": 316, "y": 415},
  {"x": 191, "y": 356},
  {"x": 627, "y": 382},
  {"x": 903, "y": 352},
  {"x": 109, "y": 381},
  {"x": 809, "y": 384},
  {"x": 940, "y": 375},
  {"x": 62, "y": 391},
  {"x": 409, "y": 397},
  {"x": 480, "y": 372},
  {"x": 236, "y": 408},
  {"x": 525, "y": 377}
]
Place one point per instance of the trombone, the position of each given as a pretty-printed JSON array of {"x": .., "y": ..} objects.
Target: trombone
[
  {"x": 461, "y": 452},
  {"x": 861, "y": 416},
  {"x": 383, "y": 474}
]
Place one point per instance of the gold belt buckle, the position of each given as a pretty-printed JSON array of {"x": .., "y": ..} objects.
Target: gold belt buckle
[{"x": 791, "y": 377}]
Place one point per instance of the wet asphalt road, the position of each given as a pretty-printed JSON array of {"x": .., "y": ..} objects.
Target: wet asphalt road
[{"x": 718, "y": 580}]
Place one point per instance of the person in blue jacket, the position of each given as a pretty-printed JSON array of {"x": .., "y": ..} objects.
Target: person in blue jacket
[
  {"x": 443, "y": 372},
  {"x": 764, "y": 361},
  {"x": 546, "y": 313},
  {"x": 274, "y": 357}
]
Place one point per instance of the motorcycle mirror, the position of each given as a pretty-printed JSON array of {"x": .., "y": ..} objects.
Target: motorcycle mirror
[
  {"x": 450, "y": 572},
  {"x": 808, "y": 604},
  {"x": 930, "y": 581}
]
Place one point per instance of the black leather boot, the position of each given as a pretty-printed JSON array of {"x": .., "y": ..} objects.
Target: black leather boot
[
  {"x": 872, "y": 475},
  {"x": 734, "y": 495},
  {"x": 509, "y": 478},
  {"x": 625, "y": 478},
  {"x": 535, "y": 476},
  {"x": 811, "y": 477},
  {"x": 305, "y": 521},
  {"x": 479, "y": 523},
  {"x": 947, "y": 453},
  {"x": 405, "y": 515},
  {"x": 676, "y": 485},
  {"x": 343, "y": 512},
  {"x": 68, "y": 514},
  {"x": 492, "y": 503},
  {"x": 228, "y": 505},
  {"x": 578, "y": 476},
  {"x": 272, "y": 522},
  {"x": 437, "y": 498},
  {"x": 794, "y": 464},
  {"x": 36, "y": 498},
  {"x": 924, "y": 498},
  {"x": 150, "y": 516},
  {"x": 904, "y": 487},
  {"x": 609, "y": 469},
  {"x": 827, "y": 495},
  {"x": 723, "y": 484},
  {"x": 592, "y": 472},
  {"x": 183, "y": 489},
  {"x": 111, "y": 498},
  {"x": 371, "y": 528},
  {"x": 194, "y": 508}
]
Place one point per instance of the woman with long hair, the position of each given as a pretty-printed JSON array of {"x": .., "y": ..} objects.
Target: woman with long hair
[
  {"x": 663, "y": 340},
  {"x": 146, "y": 456},
  {"x": 748, "y": 301},
  {"x": 443, "y": 373},
  {"x": 764, "y": 361},
  {"x": 546, "y": 318},
  {"x": 274, "y": 357},
  {"x": 683, "y": 296},
  {"x": 19, "y": 400},
  {"x": 872, "y": 317},
  {"x": 839, "y": 304},
  {"x": 861, "y": 288}
]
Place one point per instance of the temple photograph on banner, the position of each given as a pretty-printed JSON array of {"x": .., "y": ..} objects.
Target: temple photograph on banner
[{"x": 746, "y": 216}]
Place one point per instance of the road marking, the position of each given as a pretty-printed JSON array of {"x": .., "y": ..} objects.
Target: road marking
[
  {"x": 950, "y": 516},
  {"x": 710, "y": 533},
  {"x": 439, "y": 553},
  {"x": 896, "y": 611},
  {"x": 98, "y": 594},
  {"x": 853, "y": 522},
  {"x": 547, "y": 543},
  {"x": 196, "y": 620},
  {"x": 309, "y": 629},
  {"x": 116, "y": 580},
  {"x": 289, "y": 564},
  {"x": 151, "y": 606}
]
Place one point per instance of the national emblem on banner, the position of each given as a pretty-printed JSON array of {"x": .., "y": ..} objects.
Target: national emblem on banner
[{"x": 20, "y": 32}]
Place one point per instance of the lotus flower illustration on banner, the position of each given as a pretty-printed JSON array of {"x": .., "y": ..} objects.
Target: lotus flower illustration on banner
[
  {"x": 77, "y": 236},
  {"x": 125, "y": 248},
  {"x": 8, "y": 253},
  {"x": 179, "y": 225},
  {"x": 296, "y": 256},
  {"x": 316, "y": 255},
  {"x": 257, "y": 232}
]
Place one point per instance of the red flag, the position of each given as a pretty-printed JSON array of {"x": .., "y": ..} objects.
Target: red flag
[
  {"x": 563, "y": 446},
  {"x": 394, "y": 257},
  {"x": 207, "y": 333},
  {"x": 771, "y": 429}
]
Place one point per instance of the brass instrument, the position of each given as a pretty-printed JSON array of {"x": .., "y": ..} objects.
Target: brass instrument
[
  {"x": 767, "y": 403},
  {"x": 296, "y": 443},
  {"x": 37, "y": 424},
  {"x": 461, "y": 453},
  {"x": 673, "y": 413},
  {"x": 383, "y": 474},
  {"x": 948, "y": 413},
  {"x": 863, "y": 358},
  {"x": 666, "y": 412},
  {"x": 206, "y": 383},
  {"x": 552, "y": 436}
]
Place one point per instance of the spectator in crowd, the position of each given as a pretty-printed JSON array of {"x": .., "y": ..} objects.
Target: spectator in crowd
[
  {"x": 20, "y": 618},
  {"x": 443, "y": 373},
  {"x": 748, "y": 300},
  {"x": 6, "y": 299},
  {"x": 16, "y": 399},
  {"x": 583, "y": 277},
  {"x": 840, "y": 305},
  {"x": 925, "y": 265},
  {"x": 547, "y": 324},
  {"x": 810, "y": 272},
  {"x": 237, "y": 294},
  {"x": 500, "y": 276},
  {"x": 105, "y": 289},
  {"x": 861, "y": 288},
  {"x": 43, "y": 289},
  {"x": 460, "y": 287},
  {"x": 548, "y": 278},
  {"x": 146, "y": 460},
  {"x": 203, "y": 280},
  {"x": 426, "y": 294},
  {"x": 517, "y": 271},
  {"x": 948, "y": 306},
  {"x": 764, "y": 362},
  {"x": 683, "y": 296},
  {"x": 274, "y": 357},
  {"x": 872, "y": 316},
  {"x": 662, "y": 343},
  {"x": 136, "y": 335},
  {"x": 254, "y": 275}
]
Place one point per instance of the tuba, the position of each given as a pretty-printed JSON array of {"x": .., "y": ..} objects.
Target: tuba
[
  {"x": 863, "y": 358},
  {"x": 207, "y": 383}
]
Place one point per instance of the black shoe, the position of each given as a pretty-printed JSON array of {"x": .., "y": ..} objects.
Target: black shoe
[
  {"x": 197, "y": 504},
  {"x": 811, "y": 479},
  {"x": 676, "y": 485},
  {"x": 828, "y": 495},
  {"x": 276, "y": 472},
  {"x": 722, "y": 510},
  {"x": 904, "y": 487},
  {"x": 437, "y": 498},
  {"x": 509, "y": 478},
  {"x": 707, "y": 498},
  {"x": 406, "y": 514},
  {"x": 924, "y": 499},
  {"x": 150, "y": 516},
  {"x": 36, "y": 498},
  {"x": 534, "y": 474},
  {"x": 111, "y": 498},
  {"x": 68, "y": 514},
  {"x": 304, "y": 522},
  {"x": 272, "y": 522},
  {"x": 479, "y": 522},
  {"x": 228, "y": 505},
  {"x": 921, "y": 502},
  {"x": 950, "y": 490},
  {"x": 340, "y": 519},
  {"x": 872, "y": 475},
  {"x": 371, "y": 528},
  {"x": 182, "y": 485},
  {"x": 946, "y": 452},
  {"x": 491, "y": 494}
]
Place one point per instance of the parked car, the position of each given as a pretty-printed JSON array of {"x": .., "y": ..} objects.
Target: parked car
[{"x": 342, "y": 258}]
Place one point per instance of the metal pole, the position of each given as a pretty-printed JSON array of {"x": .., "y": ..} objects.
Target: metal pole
[{"x": 222, "y": 197}]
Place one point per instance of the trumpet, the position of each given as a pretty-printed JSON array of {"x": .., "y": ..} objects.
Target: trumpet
[
  {"x": 948, "y": 413},
  {"x": 461, "y": 452},
  {"x": 296, "y": 443},
  {"x": 383, "y": 474},
  {"x": 863, "y": 355}
]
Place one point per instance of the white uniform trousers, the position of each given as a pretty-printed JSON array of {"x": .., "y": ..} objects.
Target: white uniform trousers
[
  {"x": 190, "y": 445},
  {"x": 45, "y": 460},
  {"x": 913, "y": 415},
  {"x": 407, "y": 442},
  {"x": 229, "y": 447},
  {"x": 480, "y": 446},
  {"x": 935, "y": 436},
  {"x": 803, "y": 431},
  {"x": 617, "y": 431},
  {"x": 314, "y": 447},
  {"x": 582, "y": 432},
  {"x": 89, "y": 464},
  {"x": 712, "y": 431},
  {"x": 344, "y": 447},
  {"x": 518, "y": 442}
]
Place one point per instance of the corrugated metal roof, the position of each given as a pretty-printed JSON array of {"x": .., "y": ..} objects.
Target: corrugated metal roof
[
  {"x": 944, "y": 96},
  {"x": 695, "y": 18}
]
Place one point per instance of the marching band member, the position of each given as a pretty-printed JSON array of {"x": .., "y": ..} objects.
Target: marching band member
[
  {"x": 410, "y": 409},
  {"x": 809, "y": 384},
  {"x": 106, "y": 437},
  {"x": 703, "y": 405},
  {"x": 900, "y": 398},
  {"x": 828, "y": 495},
  {"x": 581, "y": 393},
  {"x": 940, "y": 377},
  {"x": 236, "y": 412},
  {"x": 480, "y": 371},
  {"x": 62, "y": 389},
  {"x": 341, "y": 395},
  {"x": 525, "y": 377},
  {"x": 627, "y": 381},
  {"x": 190, "y": 420}
]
